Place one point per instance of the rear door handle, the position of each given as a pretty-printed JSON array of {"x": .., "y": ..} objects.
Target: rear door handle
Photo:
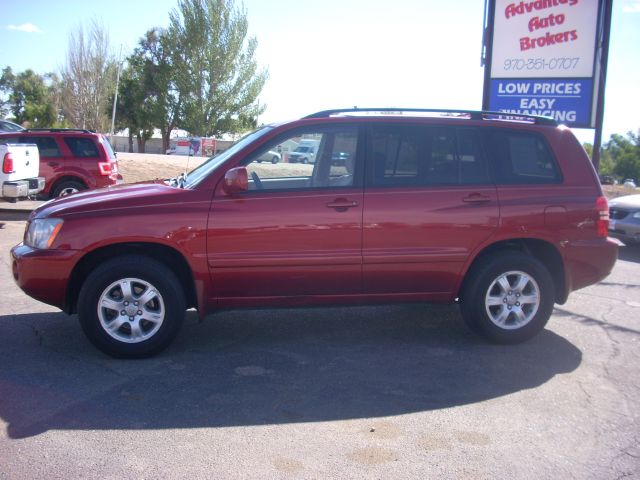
[
  {"x": 342, "y": 204},
  {"x": 53, "y": 164},
  {"x": 476, "y": 198}
]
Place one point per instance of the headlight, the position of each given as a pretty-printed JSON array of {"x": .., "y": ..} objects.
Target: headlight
[
  {"x": 41, "y": 232},
  {"x": 636, "y": 215}
]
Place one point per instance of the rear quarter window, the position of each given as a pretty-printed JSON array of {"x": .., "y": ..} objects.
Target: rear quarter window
[
  {"x": 81, "y": 147},
  {"x": 521, "y": 158}
]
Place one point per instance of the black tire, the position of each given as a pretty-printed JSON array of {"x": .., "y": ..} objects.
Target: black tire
[
  {"x": 67, "y": 187},
  {"x": 275, "y": 159},
  {"x": 495, "y": 312},
  {"x": 156, "y": 323}
]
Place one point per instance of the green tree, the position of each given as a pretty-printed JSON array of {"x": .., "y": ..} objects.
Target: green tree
[
  {"x": 606, "y": 164},
  {"x": 31, "y": 99},
  {"x": 216, "y": 72},
  {"x": 163, "y": 101},
  {"x": 625, "y": 154}
]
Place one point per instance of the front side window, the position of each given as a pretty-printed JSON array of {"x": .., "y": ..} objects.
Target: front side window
[{"x": 318, "y": 158}]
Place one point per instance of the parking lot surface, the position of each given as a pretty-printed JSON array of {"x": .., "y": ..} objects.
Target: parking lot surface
[{"x": 362, "y": 392}]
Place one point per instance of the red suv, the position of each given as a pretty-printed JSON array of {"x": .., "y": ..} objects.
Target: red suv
[
  {"x": 503, "y": 214},
  {"x": 70, "y": 160}
]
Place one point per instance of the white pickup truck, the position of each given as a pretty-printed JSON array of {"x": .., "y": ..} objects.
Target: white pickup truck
[{"x": 20, "y": 167}]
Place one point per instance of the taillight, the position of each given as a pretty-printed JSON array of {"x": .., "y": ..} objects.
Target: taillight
[
  {"x": 7, "y": 163},
  {"x": 602, "y": 206},
  {"x": 107, "y": 168}
]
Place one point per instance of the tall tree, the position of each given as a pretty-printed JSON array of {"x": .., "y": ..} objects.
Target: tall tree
[
  {"x": 88, "y": 78},
  {"x": 155, "y": 57},
  {"x": 216, "y": 70},
  {"x": 31, "y": 98}
]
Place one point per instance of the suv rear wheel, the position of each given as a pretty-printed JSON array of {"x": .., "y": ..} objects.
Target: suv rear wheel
[
  {"x": 131, "y": 307},
  {"x": 67, "y": 187},
  {"x": 508, "y": 298}
]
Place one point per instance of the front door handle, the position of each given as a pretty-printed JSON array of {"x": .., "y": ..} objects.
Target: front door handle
[
  {"x": 53, "y": 164},
  {"x": 342, "y": 204},
  {"x": 476, "y": 198}
]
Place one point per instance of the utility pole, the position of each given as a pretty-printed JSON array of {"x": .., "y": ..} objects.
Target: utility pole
[{"x": 115, "y": 97}]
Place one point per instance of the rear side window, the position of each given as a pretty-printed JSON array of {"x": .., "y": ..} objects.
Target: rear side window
[
  {"x": 81, "y": 146},
  {"x": 47, "y": 146},
  {"x": 425, "y": 156},
  {"x": 522, "y": 158}
]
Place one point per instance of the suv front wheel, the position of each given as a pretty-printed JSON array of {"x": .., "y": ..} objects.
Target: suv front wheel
[
  {"x": 508, "y": 297},
  {"x": 131, "y": 307}
]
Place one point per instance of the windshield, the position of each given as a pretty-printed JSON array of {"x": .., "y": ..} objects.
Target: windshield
[
  {"x": 303, "y": 149},
  {"x": 196, "y": 175}
]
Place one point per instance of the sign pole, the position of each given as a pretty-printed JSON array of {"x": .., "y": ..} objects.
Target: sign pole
[
  {"x": 604, "y": 57},
  {"x": 488, "y": 48}
]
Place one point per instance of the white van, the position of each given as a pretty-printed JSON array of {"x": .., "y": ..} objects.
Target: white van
[{"x": 305, "y": 152}]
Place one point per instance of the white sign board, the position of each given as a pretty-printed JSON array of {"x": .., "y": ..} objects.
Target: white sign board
[{"x": 544, "y": 38}]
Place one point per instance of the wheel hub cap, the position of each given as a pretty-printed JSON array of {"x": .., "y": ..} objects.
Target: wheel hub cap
[
  {"x": 512, "y": 300},
  {"x": 131, "y": 310}
]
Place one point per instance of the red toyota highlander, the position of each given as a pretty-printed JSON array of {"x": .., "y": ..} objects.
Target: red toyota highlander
[{"x": 502, "y": 214}]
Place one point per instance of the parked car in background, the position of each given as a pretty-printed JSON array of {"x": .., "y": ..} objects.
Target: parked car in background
[
  {"x": 270, "y": 156},
  {"x": 305, "y": 152},
  {"x": 629, "y": 183},
  {"x": 19, "y": 175},
  {"x": 339, "y": 158},
  {"x": 607, "y": 180},
  {"x": 624, "y": 223},
  {"x": 7, "y": 126},
  {"x": 70, "y": 160},
  {"x": 504, "y": 215}
]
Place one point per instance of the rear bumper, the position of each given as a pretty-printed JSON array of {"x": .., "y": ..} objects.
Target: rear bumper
[
  {"x": 23, "y": 188},
  {"x": 588, "y": 262}
]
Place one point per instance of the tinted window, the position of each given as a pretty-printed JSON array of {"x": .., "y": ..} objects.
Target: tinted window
[
  {"x": 107, "y": 146},
  {"x": 522, "y": 158},
  {"x": 47, "y": 146},
  {"x": 395, "y": 155},
  {"x": 81, "y": 146},
  {"x": 427, "y": 156}
]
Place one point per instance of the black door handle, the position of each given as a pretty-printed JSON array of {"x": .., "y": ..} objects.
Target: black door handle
[{"x": 342, "y": 204}]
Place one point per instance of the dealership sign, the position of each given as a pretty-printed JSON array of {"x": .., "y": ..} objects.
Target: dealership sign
[{"x": 543, "y": 59}]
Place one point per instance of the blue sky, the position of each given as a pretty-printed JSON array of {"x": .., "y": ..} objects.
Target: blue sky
[{"x": 333, "y": 53}]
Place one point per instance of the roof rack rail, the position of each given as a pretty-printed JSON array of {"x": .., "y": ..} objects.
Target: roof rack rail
[
  {"x": 80, "y": 130},
  {"x": 470, "y": 114}
]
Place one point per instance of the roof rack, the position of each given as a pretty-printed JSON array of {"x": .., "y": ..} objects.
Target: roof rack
[
  {"x": 467, "y": 114},
  {"x": 78, "y": 130}
]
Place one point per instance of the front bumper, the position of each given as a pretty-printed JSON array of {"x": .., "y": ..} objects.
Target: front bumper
[
  {"x": 43, "y": 274},
  {"x": 627, "y": 231}
]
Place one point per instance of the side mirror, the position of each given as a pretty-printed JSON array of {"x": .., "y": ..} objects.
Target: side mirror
[{"x": 235, "y": 181}]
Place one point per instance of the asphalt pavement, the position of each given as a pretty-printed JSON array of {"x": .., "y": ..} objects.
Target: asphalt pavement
[{"x": 362, "y": 392}]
